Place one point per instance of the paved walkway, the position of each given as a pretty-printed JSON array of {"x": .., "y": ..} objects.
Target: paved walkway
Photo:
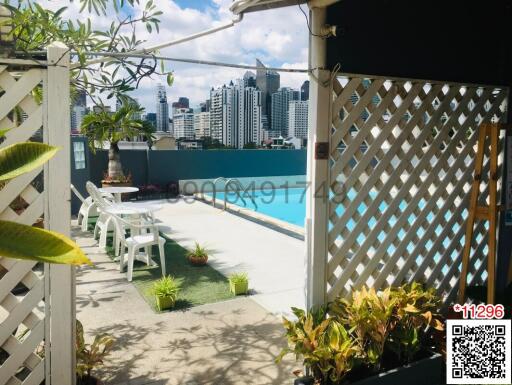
[
  {"x": 274, "y": 261},
  {"x": 228, "y": 343}
]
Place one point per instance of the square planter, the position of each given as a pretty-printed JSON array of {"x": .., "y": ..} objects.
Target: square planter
[
  {"x": 239, "y": 288},
  {"x": 427, "y": 371},
  {"x": 163, "y": 303}
]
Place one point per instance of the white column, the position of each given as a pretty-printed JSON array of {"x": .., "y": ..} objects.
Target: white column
[
  {"x": 57, "y": 214},
  {"x": 317, "y": 169}
]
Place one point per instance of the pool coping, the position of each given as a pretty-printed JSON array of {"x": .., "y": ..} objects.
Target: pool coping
[{"x": 254, "y": 216}]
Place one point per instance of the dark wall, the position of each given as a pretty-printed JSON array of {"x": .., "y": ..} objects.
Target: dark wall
[
  {"x": 451, "y": 40},
  {"x": 167, "y": 166}
]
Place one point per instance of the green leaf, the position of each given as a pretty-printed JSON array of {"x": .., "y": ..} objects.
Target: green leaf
[
  {"x": 26, "y": 242},
  {"x": 170, "y": 79},
  {"x": 20, "y": 158},
  {"x": 3, "y": 132}
]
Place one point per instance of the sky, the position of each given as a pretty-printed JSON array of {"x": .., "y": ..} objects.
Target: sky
[{"x": 277, "y": 37}]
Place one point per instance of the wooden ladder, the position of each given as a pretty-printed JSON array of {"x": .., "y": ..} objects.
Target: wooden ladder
[{"x": 489, "y": 213}]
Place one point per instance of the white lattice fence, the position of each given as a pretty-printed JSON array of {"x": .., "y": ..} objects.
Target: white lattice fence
[
  {"x": 402, "y": 155},
  {"x": 29, "y": 311}
]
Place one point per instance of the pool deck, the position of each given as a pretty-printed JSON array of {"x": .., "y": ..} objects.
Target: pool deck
[
  {"x": 274, "y": 261},
  {"x": 233, "y": 342}
]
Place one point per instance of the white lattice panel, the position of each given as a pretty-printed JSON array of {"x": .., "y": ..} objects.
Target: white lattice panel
[
  {"x": 22, "y": 284},
  {"x": 402, "y": 156}
]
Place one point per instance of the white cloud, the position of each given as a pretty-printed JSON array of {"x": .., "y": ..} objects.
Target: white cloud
[{"x": 277, "y": 37}]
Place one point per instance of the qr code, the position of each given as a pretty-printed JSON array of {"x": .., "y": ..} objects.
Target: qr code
[{"x": 478, "y": 352}]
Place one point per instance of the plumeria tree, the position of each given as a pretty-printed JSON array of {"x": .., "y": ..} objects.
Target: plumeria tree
[
  {"x": 35, "y": 27},
  {"x": 105, "y": 126}
]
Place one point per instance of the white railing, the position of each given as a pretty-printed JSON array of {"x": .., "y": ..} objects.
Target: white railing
[{"x": 41, "y": 317}]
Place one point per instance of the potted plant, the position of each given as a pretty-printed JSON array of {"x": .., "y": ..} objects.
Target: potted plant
[
  {"x": 374, "y": 338},
  {"x": 90, "y": 356},
  {"x": 166, "y": 291},
  {"x": 198, "y": 256},
  {"x": 239, "y": 283},
  {"x": 105, "y": 126}
]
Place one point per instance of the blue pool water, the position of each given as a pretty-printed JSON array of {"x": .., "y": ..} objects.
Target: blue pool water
[
  {"x": 285, "y": 204},
  {"x": 289, "y": 205}
]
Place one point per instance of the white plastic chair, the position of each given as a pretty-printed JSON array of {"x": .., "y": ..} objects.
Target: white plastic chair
[
  {"x": 88, "y": 209},
  {"x": 104, "y": 222},
  {"x": 142, "y": 235}
]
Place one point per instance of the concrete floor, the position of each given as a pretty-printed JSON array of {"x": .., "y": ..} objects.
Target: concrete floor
[
  {"x": 275, "y": 262},
  {"x": 228, "y": 343}
]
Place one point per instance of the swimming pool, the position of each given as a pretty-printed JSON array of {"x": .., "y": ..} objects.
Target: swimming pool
[{"x": 288, "y": 204}]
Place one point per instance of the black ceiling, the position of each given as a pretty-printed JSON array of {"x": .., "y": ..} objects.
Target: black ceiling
[{"x": 449, "y": 40}]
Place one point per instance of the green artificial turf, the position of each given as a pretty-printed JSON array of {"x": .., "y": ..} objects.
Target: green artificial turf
[{"x": 198, "y": 284}]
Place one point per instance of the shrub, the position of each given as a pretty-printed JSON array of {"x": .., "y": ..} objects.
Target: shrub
[
  {"x": 323, "y": 343},
  {"x": 368, "y": 331}
]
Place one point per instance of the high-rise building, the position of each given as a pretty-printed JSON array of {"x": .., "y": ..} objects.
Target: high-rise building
[
  {"x": 78, "y": 111},
  {"x": 151, "y": 118},
  {"x": 250, "y": 79},
  {"x": 268, "y": 82},
  {"x": 304, "y": 91},
  {"x": 77, "y": 115},
  {"x": 280, "y": 103},
  {"x": 162, "y": 109},
  {"x": 205, "y": 106},
  {"x": 298, "y": 119},
  {"x": 235, "y": 114},
  {"x": 221, "y": 114},
  {"x": 182, "y": 103},
  {"x": 202, "y": 124},
  {"x": 183, "y": 123}
]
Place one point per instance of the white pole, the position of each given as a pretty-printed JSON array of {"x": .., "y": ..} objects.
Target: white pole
[
  {"x": 57, "y": 215},
  {"x": 166, "y": 44},
  {"x": 317, "y": 169}
]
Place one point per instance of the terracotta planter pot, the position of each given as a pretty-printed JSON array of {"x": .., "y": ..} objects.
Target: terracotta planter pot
[
  {"x": 163, "y": 303},
  {"x": 239, "y": 288},
  {"x": 197, "y": 261}
]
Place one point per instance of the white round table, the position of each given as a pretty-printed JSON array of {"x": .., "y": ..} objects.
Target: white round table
[
  {"x": 117, "y": 191},
  {"x": 133, "y": 208}
]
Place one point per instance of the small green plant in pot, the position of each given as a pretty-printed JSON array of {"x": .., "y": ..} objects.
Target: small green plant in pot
[
  {"x": 198, "y": 256},
  {"x": 239, "y": 283},
  {"x": 165, "y": 291},
  {"x": 89, "y": 357}
]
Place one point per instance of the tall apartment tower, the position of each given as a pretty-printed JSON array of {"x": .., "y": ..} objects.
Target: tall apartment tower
[
  {"x": 298, "y": 119},
  {"x": 183, "y": 123},
  {"x": 162, "y": 109},
  {"x": 221, "y": 114},
  {"x": 247, "y": 114},
  {"x": 304, "y": 91},
  {"x": 235, "y": 114},
  {"x": 202, "y": 124},
  {"x": 280, "y": 104},
  {"x": 268, "y": 82},
  {"x": 78, "y": 111}
]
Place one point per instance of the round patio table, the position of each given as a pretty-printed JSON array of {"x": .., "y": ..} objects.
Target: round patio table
[
  {"x": 133, "y": 208},
  {"x": 117, "y": 191}
]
